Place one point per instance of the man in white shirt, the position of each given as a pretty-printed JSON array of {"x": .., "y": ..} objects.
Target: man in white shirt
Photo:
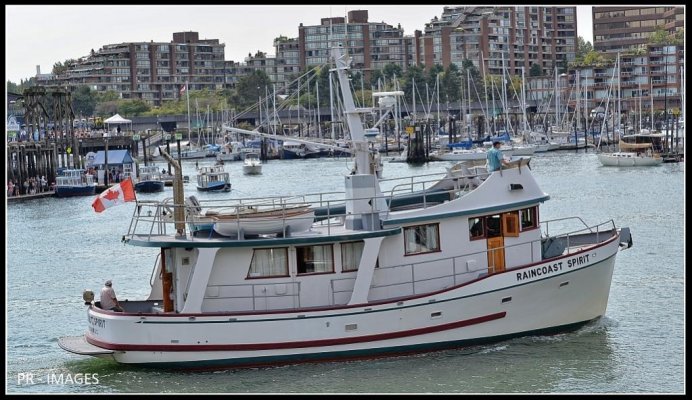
[{"x": 108, "y": 299}]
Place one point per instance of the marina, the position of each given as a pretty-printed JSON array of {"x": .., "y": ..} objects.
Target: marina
[{"x": 359, "y": 210}]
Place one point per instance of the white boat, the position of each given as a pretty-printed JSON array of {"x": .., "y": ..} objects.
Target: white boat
[
  {"x": 630, "y": 159},
  {"x": 247, "y": 220},
  {"x": 640, "y": 150},
  {"x": 252, "y": 165},
  {"x": 367, "y": 282},
  {"x": 75, "y": 182}
]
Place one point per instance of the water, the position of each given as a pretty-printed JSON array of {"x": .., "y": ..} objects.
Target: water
[{"x": 56, "y": 248}]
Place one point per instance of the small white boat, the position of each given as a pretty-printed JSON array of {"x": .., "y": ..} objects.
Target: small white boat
[
  {"x": 263, "y": 220},
  {"x": 252, "y": 165}
]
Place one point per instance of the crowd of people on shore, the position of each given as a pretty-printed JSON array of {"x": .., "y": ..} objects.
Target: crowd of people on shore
[{"x": 31, "y": 185}]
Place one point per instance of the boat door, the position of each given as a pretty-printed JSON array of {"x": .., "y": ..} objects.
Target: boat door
[{"x": 495, "y": 243}]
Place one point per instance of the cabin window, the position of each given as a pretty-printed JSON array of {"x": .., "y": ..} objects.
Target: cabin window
[
  {"x": 315, "y": 259},
  {"x": 269, "y": 263},
  {"x": 476, "y": 228},
  {"x": 528, "y": 218},
  {"x": 510, "y": 223},
  {"x": 421, "y": 239},
  {"x": 351, "y": 253}
]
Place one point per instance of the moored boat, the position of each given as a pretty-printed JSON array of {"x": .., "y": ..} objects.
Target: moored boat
[{"x": 75, "y": 182}]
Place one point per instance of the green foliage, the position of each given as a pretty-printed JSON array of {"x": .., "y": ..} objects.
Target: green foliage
[
  {"x": 250, "y": 88},
  {"x": 83, "y": 101},
  {"x": 60, "y": 68},
  {"x": 535, "y": 70},
  {"x": 133, "y": 107}
]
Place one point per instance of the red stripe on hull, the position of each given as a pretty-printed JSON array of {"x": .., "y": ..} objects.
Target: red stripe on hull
[{"x": 295, "y": 345}]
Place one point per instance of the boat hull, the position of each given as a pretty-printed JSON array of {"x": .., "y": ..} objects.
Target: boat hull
[
  {"x": 252, "y": 169},
  {"x": 514, "y": 303},
  {"x": 69, "y": 191},
  {"x": 149, "y": 186},
  {"x": 628, "y": 160},
  {"x": 215, "y": 187}
]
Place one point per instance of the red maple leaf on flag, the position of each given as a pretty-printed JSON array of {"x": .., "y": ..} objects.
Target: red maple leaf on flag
[{"x": 111, "y": 195}]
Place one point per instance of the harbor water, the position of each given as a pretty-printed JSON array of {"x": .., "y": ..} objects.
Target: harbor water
[{"x": 56, "y": 248}]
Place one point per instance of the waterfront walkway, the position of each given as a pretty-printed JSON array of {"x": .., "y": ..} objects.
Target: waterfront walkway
[{"x": 15, "y": 199}]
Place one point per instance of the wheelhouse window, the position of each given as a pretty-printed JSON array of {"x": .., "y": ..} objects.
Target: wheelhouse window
[
  {"x": 476, "y": 228},
  {"x": 528, "y": 218},
  {"x": 421, "y": 239},
  {"x": 494, "y": 225},
  {"x": 315, "y": 259},
  {"x": 268, "y": 263}
]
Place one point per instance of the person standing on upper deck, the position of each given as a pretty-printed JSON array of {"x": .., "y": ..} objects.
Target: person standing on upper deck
[{"x": 495, "y": 159}]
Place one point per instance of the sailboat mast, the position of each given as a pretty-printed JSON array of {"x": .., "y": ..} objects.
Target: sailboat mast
[
  {"x": 485, "y": 86},
  {"x": 331, "y": 105},
  {"x": 619, "y": 98},
  {"x": 319, "y": 126}
]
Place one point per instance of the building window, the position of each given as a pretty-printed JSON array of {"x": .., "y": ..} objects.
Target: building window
[
  {"x": 269, "y": 263},
  {"x": 421, "y": 239},
  {"x": 315, "y": 259}
]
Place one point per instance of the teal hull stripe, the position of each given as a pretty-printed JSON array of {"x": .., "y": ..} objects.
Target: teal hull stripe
[
  {"x": 358, "y": 354},
  {"x": 224, "y": 243},
  {"x": 426, "y": 218},
  {"x": 234, "y": 321}
]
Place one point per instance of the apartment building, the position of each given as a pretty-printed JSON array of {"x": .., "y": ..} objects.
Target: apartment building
[
  {"x": 619, "y": 29},
  {"x": 516, "y": 36},
  {"x": 151, "y": 71}
]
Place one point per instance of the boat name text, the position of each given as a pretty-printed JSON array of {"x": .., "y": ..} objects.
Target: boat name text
[{"x": 551, "y": 268}]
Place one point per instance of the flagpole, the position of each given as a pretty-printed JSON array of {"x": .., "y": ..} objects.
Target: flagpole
[{"x": 189, "y": 125}]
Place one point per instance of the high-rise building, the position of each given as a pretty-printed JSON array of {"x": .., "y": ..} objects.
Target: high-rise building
[
  {"x": 371, "y": 45},
  {"x": 521, "y": 36},
  {"x": 618, "y": 29}
]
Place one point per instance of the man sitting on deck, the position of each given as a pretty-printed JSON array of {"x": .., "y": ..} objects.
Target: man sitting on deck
[{"x": 108, "y": 299}]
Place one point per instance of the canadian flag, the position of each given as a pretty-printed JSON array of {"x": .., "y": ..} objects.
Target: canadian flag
[
  {"x": 183, "y": 89},
  {"x": 117, "y": 194}
]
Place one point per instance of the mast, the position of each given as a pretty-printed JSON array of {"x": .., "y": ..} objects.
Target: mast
[
  {"x": 485, "y": 86},
  {"x": 504, "y": 95},
  {"x": 468, "y": 84},
  {"x": 319, "y": 127},
  {"x": 651, "y": 95},
  {"x": 557, "y": 102},
  {"x": 331, "y": 105},
  {"x": 189, "y": 124},
  {"x": 619, "y": 98}
]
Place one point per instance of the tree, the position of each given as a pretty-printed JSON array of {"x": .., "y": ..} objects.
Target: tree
[
  {"x": 250, "y": 88},
  {"x": 132, "y": 107},
  {"x": 660, "y": 36},
  {"x": 12, "y": 87},
  {"x": 536, "y": 70},
  {"x": 451, "y": 83},
  {"x": 60, "y": 68},
  {"x": 583, "y": 48},
  {"x": 83, "y": 101}
]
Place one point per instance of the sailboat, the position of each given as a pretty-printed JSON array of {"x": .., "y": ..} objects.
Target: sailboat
[{"x": 631, "y": 152}]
